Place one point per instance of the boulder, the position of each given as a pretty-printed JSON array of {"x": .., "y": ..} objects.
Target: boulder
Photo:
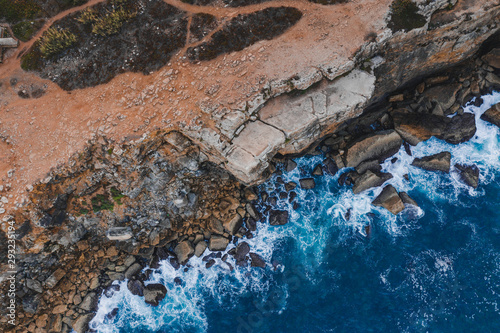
[
  {"x": 54, "y": 278},
  {"x": 200, "y": 248},
  {"x": 307, "y": 183},
  {"x": 492, "y": 58},
  {"x": 34, "y": 285},
  {"x": 133, "y": 270},
  {"x": 251, "y": 224},
  {"x": 330, "y": 166},
  {"x": 290, "y": 186},
  {"x": 89, "y": 303},
  {"x": 233, "y": 224},
  {"x": 278, "y": 217},
  {"x": 492, "y": 115},
  {"x": 318, "y": 170},
  {"x": 154, "y": 293},
  {"x": 372, "y": 165},
  {"x": 119, "y": 233},
  {"x": 377, "y": 146},
  {"x": 215, "y": 225},
  {"x": 184, "y": 250},
  {"x": 254, "y": 213},
  {"x": 257, "y": 260},
  {"x": 290, "y": 165},
  {"x": 443, "y": 95},
  {"x": 469, "y": 174},
  {"x": 241, "y": 251},
  {"x": 437, "y": 162},
  {"x": 136, "y": 287},
  {"x": 368, "y": 180},
  {"x": 458, "y": 129},
  {"x": 218, "y": 243},
  {"x": 81, "y": 324},
  {"x": 407, "y": 200},
  {"x": 390, "y": 200}
]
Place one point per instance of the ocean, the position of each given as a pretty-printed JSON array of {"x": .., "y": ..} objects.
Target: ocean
[{"x": 432, "y": 268}]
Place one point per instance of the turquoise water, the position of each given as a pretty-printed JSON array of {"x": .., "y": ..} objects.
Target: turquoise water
[{"x": 430, "y": 269}]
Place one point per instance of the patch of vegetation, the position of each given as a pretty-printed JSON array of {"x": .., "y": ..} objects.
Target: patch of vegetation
[
  {"x": 83, "y": 211},
  {"x": 55, "y": 40},
  {"x": 405, "y": 16},
  {"x": 116, "y": 195},
  {"x": 245, "y": 30},
  {"x": 100, "y": 203},
  {"x": 32, "y": 60},
  {"x": 25, "y": 29},
  {"x": 108, "y": 23},
  {"x": 19, "y": 10},
  {"x": 329, "y": 2}
]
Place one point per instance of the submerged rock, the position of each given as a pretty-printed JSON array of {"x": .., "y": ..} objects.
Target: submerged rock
[
  {"x": 257, "y": 260},
  {"x": 368, "y": 180},
  {"x": 154, "y": 293},
  {"x": 278, "y": 217},
  {"x": 390, "y": 200},
  {"x": 492, "y": 115},
  {"x": 318, "y": 170},
  {"x": 437, "y": 162},
  {"x": 307, "y": 183},
  {"x": 469, "y": 174},
  {"x": 377, "y": 146}
]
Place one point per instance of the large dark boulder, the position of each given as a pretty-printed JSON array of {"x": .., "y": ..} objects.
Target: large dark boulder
[
  {"x": 257, "y": 260},
  {"x": 278, "y": 217},
  {"x": 458, "y": 129},
  {"x": 492, "y": 115},
  {"x": 369, "y": 180},
  {"x": 377, "y": 146},
  {"x": 330, "y": 167},
  {"x": 437, "y": 162},
  {"x": 154, "y": 293},
  {"x": 390, "y": 200},
  {"x": 307, "y": 183},
  {"x": 469, "y": 174},
  {"x": 136, "y": 287}
]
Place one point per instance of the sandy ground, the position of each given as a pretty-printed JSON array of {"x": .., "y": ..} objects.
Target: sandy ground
[{"x": 39, "y": 134}]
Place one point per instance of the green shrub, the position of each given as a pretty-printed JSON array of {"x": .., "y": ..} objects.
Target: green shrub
[
  {"x": 24, "y": 30},
  {"x": 55, "y": 40},
  {"x": 87, "y": 16},
  {"x": 116, "y": 195},
  {"x": 405, "y": 17},
  {"x": 111, "y": 22},
  {"x": 100, "y": 202}
]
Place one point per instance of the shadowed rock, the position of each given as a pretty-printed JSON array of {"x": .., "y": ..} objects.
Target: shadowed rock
[
  {"x": 278, "y": 217},
  {"x": 369, "y": 180},
  {"x": 257, "y": 260},
  {"x": 469, "y": 174},
  {"x": 492, "y": 58},
  {"x": 407, "y": 200},
  {"x": 136, "y": 287},
  {"x": 378, "y": 146},
  {"x": 154, "y": 293},
  {"x": 200, "y": 248},
  {"x": 437, "y": 162},
  {"x": 307, "y": 183},
  {"x": 492, "y": 115},
  {"x": 390, "y": 200},
  {"x": 184, "y": 250}
]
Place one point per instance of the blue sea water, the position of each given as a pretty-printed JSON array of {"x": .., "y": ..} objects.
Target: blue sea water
[{"x": 430, "y": 269}]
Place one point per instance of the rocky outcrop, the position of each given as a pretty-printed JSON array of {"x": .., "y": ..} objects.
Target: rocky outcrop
[
  {"x": 154, "y": 293},
  {"x": 377, "y": 146},
  {"x": 278, "y": 217},
  {"x": 369, "y": 180},
  {"x": 390, "y": 200},
  {"x": 492, "y": 115},
  {"x": 437, "y": 162},
  {"x": 469, "y": 174}
]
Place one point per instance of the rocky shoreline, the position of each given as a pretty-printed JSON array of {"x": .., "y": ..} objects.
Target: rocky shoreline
[{"x": 116, "y": 208}]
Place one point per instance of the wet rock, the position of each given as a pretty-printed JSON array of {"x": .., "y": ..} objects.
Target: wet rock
[
  {"x": 252, "y": 211},
  {"x": 251, "y": 224},
  {"x": 133, "y": 270},
  {"x": 469, "y": 174},
  {"x": 81, "y": 324},
  {"x": 184, "y": 250},
  {"x": 443, "y": 95},
  {"x": 136, "y": 287},
  {"x": 458, "y": 129},
  {"x": 283, "y": 195},
  {"x": 292, "y": 195},
  {"x": 377, "y": 146},
  {"x": 218, "y": 243},
  {"x": 330, "y": 166},
  {"x": 407, "y": 200},
  {"x": 241, "y": 251},
  {"x": 372, "y": 165},
  {"x": 234, "y": 224},
  {"x": 307, "y": 183},
  {"x": 111, "y": 315},
  {"x": 318, "y": 171},
  {"x": 390, "y": 200},
  {"x": 492, "y": 115},
  {"x": 437, "y": 162},
  {"x": 110, "y": 291},
  {"x": 200, "y": 249},
  {"x": 278, "y": 217},
  {"x": 369, "y": 180},
  {"x": 210, "y": 263},
  {"x": 290, "y": 186},
  {"x": 290, "y": 165},
  {"x": 119, "y": 233},
  {"x": 257, "y": 260},
  {"x": 492, "y": 58},
  {"x": 154, "y": 293}
]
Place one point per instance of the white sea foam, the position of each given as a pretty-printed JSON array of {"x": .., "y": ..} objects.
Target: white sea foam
[{"x": 322, "y": 211}]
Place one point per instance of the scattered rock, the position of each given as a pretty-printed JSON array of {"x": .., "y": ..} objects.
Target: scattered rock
[
  {"x": 136, "y": 287},
  {"x": 377, "y": 146},
  {"x": 369, "y": 180},
  {"x": 81, "y": 324},
  {"x": 133, "y": 270},
  {"x": 390, "y": 200},
  {"x": 184, "y": 250},
  {"x": 492, "y": 115},
  {"x": 34, "y": 285},
  {"x": 318, "y": 171},
  {"x": 257, "y": 260},
  {"x": 469, "y": 174},
  {"x": 154, "y": 293},
  {"x": 407, "y": 200},
  {"x": 278, "y": 217},
  {"x": 330, "y": 166},
  {"x": 218, "y": 243},
  {"x": 119, "y": 233},
  {"x": 200, "y": 249},
  {"x": 234, "y": 224},
  {"x": 437, "y": 162},
  {"x": 54, "y": 278},
  {"x": 307, "y": 183},
  {"x": 290, "y": 165}
]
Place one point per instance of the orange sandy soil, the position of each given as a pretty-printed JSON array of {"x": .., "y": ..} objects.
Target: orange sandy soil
[{"x": 38, "y": 134}]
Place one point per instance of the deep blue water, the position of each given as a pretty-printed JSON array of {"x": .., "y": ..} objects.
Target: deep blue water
[{"x": 430, "y": 269}]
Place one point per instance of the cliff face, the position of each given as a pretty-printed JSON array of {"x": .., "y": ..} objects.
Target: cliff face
[{"x": 289, "y": 124}]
